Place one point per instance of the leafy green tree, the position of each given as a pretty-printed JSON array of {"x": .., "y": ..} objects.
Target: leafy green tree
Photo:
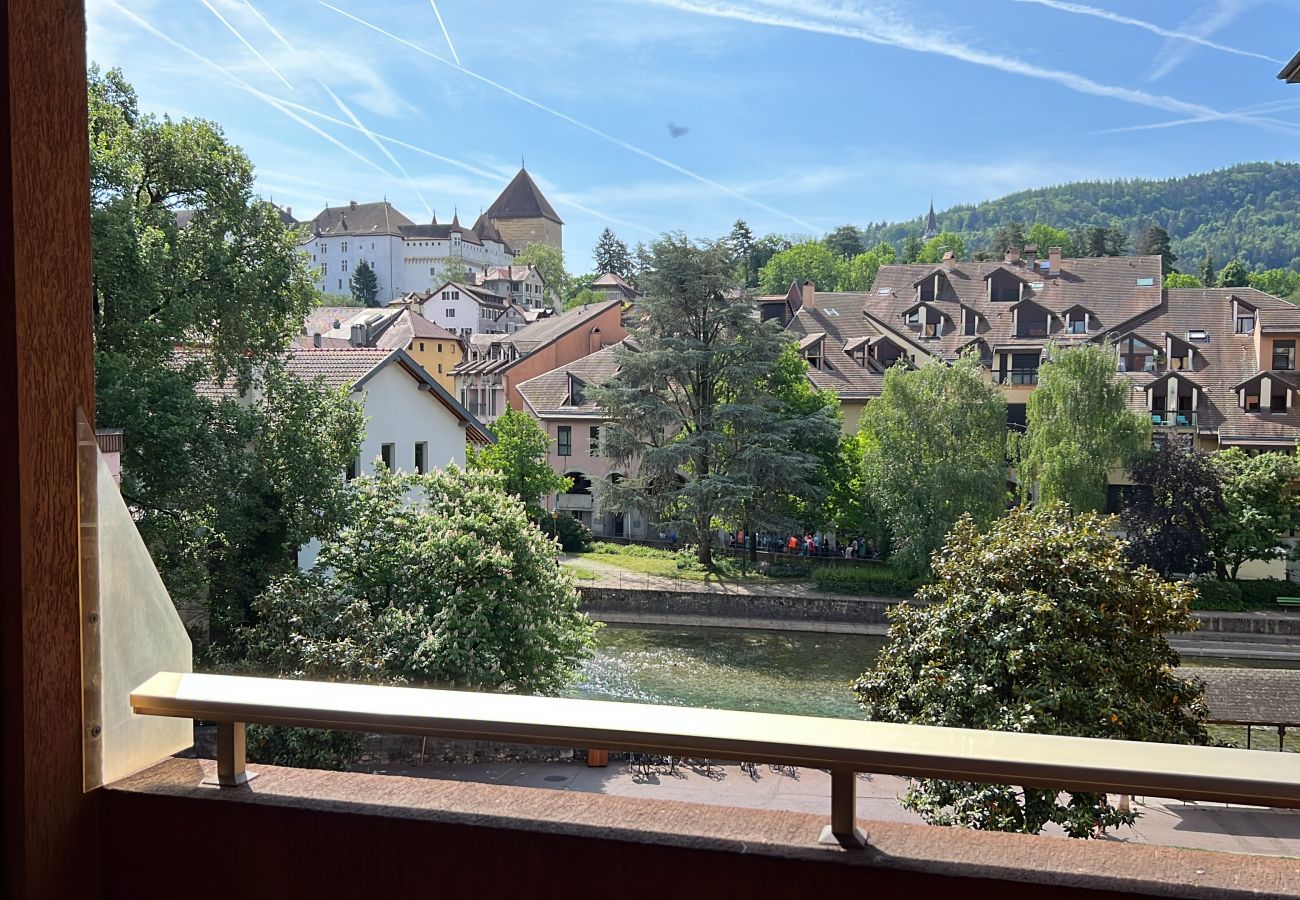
[
  {"x": 611, "y": 255},
  {"x": 1079, "y": 428},
  {"x": 1284, "y": 283},
  {"x": 858, "y": 273},
  {"x": 1010, "y": 236},
  {"x": 223, "y": 491},
  {"x": 1260, "y": 501},
  {"x": 1170, "y": 512},
  {"x": 1234, "y": 274},
  {"x": 1039, "y": 625},
  {"x": 1180, "y": 280},
  {"x": 1045, "y": 237},
  {"x": 741, "y": 244},
  {"x": 1154, "y": 241},
  {"x": 519, "y": 456},
  {"x": 550, "y": 263},
  {"x": 809, "y": 260},
  {"x": 439, "y": 580},
  {"x": 583, "y": 297},
  {"x": 1207, "y": 269},
  {"x": 940, "y": 244},
  {"x": 766, "y": 247},
  {"x": 934, "y": 447},
  {"x": 1116, "y": 240},
  {"x": 845, "y": 242},
  {"x": 912, "y": 248},
  {"x": 692, "y": 403},
  {"x": 364, "y": 284}
]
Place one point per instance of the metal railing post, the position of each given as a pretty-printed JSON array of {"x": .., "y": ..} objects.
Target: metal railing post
[
  {"x": 231, "y": 756},
  {"x": 844, "y": 810}
]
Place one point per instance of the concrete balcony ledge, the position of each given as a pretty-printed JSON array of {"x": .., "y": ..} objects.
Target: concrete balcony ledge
[{"x": 377, "y": 833}]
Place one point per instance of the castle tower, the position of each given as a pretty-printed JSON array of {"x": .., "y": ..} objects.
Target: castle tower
[{"x": 523, "y": 216}]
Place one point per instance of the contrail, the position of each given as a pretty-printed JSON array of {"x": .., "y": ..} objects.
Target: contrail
[
  {"x": 873, "y": 30},
  {"x": 382, "y": 149},
  {"x": 1082, "y": 10},
  {"x": 618, "y": 142},
  {"x": 274, "y": 71},
  {"x": 1271, "y": 106},
  {"x": 280, "y": 105},
  {"x": 443, "y": 26},
  {"x": 269, "y": 27}
]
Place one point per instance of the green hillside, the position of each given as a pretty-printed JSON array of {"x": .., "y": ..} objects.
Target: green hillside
[{"x": 1250, "y": 212}]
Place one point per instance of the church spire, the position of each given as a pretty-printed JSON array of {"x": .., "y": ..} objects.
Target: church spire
[{"x": 931, "y": 223}]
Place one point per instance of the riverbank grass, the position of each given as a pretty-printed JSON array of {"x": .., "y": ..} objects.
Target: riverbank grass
[{"x": 682, "y": 565}]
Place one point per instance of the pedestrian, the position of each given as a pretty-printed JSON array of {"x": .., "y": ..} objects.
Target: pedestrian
[{"x": 791, "y": 544}]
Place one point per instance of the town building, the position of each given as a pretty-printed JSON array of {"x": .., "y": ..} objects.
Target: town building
[
  {"x": 560, "y": 401},
  {"x": 412, "y": 423},
  {"x": 400, "y": 326},
  {"x": 409, "y": 256},
  {"x": 467, "y": 309},
  {"x": 1216, "y": 364},
  {"x": 495, "y": 364},
  {"x": 612, "y": 286},
  {"x": 523, "y": 286}
]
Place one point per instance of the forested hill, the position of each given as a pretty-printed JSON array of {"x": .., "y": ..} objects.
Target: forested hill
[{"x": 1250, "y": 212}]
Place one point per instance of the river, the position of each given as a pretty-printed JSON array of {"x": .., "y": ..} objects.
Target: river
[{"x": 804, "y": 673}]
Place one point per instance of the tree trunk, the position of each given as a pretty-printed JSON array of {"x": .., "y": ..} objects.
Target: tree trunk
[{"x": 702, "y": 522}]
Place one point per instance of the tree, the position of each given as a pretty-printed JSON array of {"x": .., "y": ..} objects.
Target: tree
[
  {"x": 934, "y": 450},
  {"x": 858, "y": 273},
  {"x": 691, "y": 405},
  {"x": 550, "y": 263},
  {"x": 519, "y": 456},
  {"x": 809, "y": 260},
  {"x": 1154, "y": 241},
  {"x": 741, "y": 244},
  {"x": 845, "y": 242},
  {"x": 1078, "y": 428},
  {"x": 1116, "y": 240},
  {"x": 1207, "y": 269},
  {"x": 1010, "y": 236},
  {"x": 1260, "y": 500},
  {"x": 1040, "y": 625},
  {"x": 364, "y": 284},
  {"x": 940, "y": 244},
  {"x": 1179, "y": 280},
  {"x": 611, "y": 255},
  {"x": 438, "y": 580},
  {"x": 1170, "y": 512},
  {"x": 1045, "y": 237},
  {"x": 766, "y": 247},
  {"x": 1284, "y": 283},
  {"x": 1090, "y": 240},
  {"x": 912, "y": 248},
  {"x": 1234, "y": 274},
  {"x": 223, "y": 491}
]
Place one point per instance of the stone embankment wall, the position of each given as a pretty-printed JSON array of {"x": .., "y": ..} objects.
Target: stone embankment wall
[
  {"x": 650, "y": 606},
  {"x": 1247, "y": 623}
]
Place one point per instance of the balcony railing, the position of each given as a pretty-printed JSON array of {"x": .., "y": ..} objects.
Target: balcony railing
[
  {"x": 1183, "y": 418},
  {"x": 844, "y": 747},
  {"x": 1017, "y": 376}
]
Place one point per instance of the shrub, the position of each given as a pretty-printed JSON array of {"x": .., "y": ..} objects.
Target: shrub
[
  {"x": 632, "y": 550},
  {"x": 574, "y": 537},
  {"x": 1220, "y": 595},
  {"x": 1262, "y": 593},
  {"x": 877, "y": 580}
]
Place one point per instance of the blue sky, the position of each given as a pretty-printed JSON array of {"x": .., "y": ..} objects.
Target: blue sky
[{"x": 801, "y": 114}]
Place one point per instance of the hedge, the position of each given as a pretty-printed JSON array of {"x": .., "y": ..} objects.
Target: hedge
[
  {"x": 876, "y": 580},
  {"x": 1239, "y": 596}
]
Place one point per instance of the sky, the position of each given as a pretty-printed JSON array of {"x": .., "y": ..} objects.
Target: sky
[{"x": 648, "y": 116}]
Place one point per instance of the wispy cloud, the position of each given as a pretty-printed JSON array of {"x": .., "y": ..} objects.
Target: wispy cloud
[
  {"x": 1200, "y": 24},
  {"x": 445, "y": 32},
  {"x": 1255, "y": 109},
  {"x": 886, "y": 28},
  {"x": 243, "y": 40},
  {"x": 1095, "y": 12},
  {"x": 591, "y": 129},
  {"x": 269, "y": 27}
]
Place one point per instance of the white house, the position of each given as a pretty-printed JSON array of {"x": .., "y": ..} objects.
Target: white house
[
  {"x": 466, "y": 310},
  {"x": 412, "y": 423},
  {"x": 523, "y": 285}
]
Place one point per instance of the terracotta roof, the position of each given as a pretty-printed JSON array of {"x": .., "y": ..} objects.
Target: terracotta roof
[
  {"x": 408, "y": 325},
  {"x": 308, "y": 342},
  {"x": 1249, "y": 696},
  {"x": 511, "y": 273},
  {"x": 522, "y": 199},
  {"x": 336, "y": 368},
  {"x": 359, "y": 218},
  {"x": 529, "y": 338},
  {"x": 439, "y": 232},
  {"x": 547, "y": 393},
  {"x": 321, "y": 319}
]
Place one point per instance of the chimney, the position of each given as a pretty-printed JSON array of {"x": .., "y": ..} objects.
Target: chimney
[
  {"x": 1031, "y": 254},
  {"x": 338, "y": 324},
  {"x": 352, "y": 204},
  {"x": 288, "y": 211},
  {"x": 1054, "y": 260},
  {"x": 315, "y": 340},
  {"x": 358, "y": 338},
  {"x": 809, "y": 294},
  {"x": 949, "y": 261},
  {"x": 1011, "y": 255}
]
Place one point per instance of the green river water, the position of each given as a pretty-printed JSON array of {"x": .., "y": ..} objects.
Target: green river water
[{"x": 797, "y": 672}]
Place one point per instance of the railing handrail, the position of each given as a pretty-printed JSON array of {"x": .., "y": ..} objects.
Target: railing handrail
[{"x": 843, "y": 746}]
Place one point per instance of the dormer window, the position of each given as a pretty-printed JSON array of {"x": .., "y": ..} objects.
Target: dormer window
[
  {"x": 933, "y": 330},
  {"x": 913, "y": 317},
  {"x": 1245, "y": 322},
  {"x": 576, "y": 393},
  {"x": 970, "y": 321},
  {"x": 1136, "y": 355},
  {"x": 1004, "y": 287},
  {"x": 1199, "y": 335},
  {"x": 1078, "y": 326},
  {"x": 1032, "y": 321}
]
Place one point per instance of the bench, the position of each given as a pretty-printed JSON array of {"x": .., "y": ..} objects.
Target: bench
[{"x": 1288, "y": 601}]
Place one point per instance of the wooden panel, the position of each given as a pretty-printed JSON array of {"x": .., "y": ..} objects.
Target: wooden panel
[{"x": 46, "y": 371}]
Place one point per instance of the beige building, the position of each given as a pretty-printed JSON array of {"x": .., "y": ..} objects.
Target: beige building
[{"x": 523, "y": 216}]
